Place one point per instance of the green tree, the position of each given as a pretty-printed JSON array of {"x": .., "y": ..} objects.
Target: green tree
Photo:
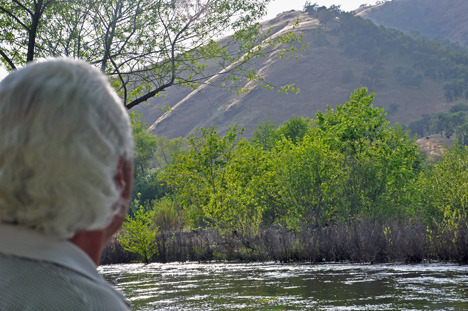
[
  {"x": 444, "y": 187},
  {"x": 459, "y": 107},
  {"x": 294, "y": 129},
  {"x": 138, "y": 234},
  {"x": 306, "y": 175},
  {"x": 221, "y": 181},
  {"x": 248, "y": 180},
  {"x": 199, "y": 176},
  {"x": 152, "y": 154},
  {"x": 354, "y": 126},
  {"x": 147, "y": 185},
  {"x": 144, "y": 46},
  {"x": 265, "y": 134},
  {"x": 380, "y": 162},
  {"x": 145, "y": 145},
  {"x": 462, "y": 134}
]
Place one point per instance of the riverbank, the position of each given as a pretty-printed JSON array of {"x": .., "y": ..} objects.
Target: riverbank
[{"x": 358, "y": 241}]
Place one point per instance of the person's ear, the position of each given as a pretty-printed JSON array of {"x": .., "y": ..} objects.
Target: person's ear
[{"x": 124, "y": 179}]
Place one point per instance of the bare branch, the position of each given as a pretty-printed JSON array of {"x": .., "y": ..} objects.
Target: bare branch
[
  {"x": 147, "y": 96},
  {"x": 124, "y": 85}
]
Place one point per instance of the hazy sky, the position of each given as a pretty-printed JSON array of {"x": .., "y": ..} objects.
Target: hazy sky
[{"x": 278, "y": 6}]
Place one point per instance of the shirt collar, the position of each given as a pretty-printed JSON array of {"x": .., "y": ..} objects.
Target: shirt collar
[{"x": 27, "y": 243}]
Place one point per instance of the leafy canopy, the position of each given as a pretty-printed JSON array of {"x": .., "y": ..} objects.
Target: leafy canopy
[{"x": 145, "y": 46}]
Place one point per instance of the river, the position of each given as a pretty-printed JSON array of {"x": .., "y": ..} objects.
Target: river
[{"x": 270, "y": 286}]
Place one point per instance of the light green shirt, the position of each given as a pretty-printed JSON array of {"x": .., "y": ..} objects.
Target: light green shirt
[{"x": 46, "y": 274}]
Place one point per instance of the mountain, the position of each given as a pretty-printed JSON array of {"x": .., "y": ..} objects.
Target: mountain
[
  {"x": 443, "y": 19},
  {"x": 409, "y": 77}
]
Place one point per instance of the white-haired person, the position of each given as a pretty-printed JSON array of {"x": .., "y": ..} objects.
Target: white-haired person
[{"x": 66, "y": 169}]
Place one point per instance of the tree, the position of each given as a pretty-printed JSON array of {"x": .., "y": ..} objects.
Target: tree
[
  {"x": 294, "y": 129},
  {"x": 266, "y": 134},
  {"x": 306, "y": 174},
  {"x": 152, "y": 154},
  {"x": 380, "y": 162},
  {"x": 198, "y": 177},
  {"x": 145, "y": 145},
  {"x": 221, "y": 182},
  {"x": 444, "y": 188},
  {"x": 145, "y": 46},
  {"x": 138, "y": 234},
  {"x": 354, "y": 126}
]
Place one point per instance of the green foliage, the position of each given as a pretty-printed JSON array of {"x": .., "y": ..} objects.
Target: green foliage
[
  {"x": 145, "y": 145},
  {"x": 147, "y": 188},
  {"x": 294, "y": 129},
  {"x": 455, "y": 89},
  {"x": 306, "y": 175},
  {"x": 445, "y": 124},
  {"x": 265, "y": 134},
  {"x": 217, "y": 181},
  {"x": 355, "y": 126},
  {"x": 199, "y": 175},
  {"x": 323, "y": 14},
  {"x": 444, "y": 190},
  {"x": 407, "y": 77},
  {"x": 248, "y": 178},
  {"x": 152, "y": 153},
  {"x": 167, "y": 214},
  {"x": 380, "y": 162},
  {"x": 459, "y": 107},
  {"x": 345, "y": 165},
  {"x": 462, "y": 134},
  {"x": 138, "y": 234}
]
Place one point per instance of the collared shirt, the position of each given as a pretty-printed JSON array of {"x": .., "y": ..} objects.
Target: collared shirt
[{"x": 43, "y": 273}]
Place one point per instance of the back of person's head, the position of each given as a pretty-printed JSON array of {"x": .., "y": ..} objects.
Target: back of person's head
[{"x": 63, "y": 131}]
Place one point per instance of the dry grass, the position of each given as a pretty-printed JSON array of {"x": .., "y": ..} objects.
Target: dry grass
[{"x": 360, "y": 241}]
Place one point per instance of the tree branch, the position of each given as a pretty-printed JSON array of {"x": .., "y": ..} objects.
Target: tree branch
[
  {"x": 149, "y": 95},
  {"x": 8, "y": 60},
  {"x": 15, "y": 18},
  {"x": 23, "y": 7},
  {"x": 121, "y": 80}
]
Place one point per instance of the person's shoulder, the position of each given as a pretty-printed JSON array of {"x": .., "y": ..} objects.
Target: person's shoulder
[
  {"x": 99, "y": 295},
  {"x": 30, "y": 284}
]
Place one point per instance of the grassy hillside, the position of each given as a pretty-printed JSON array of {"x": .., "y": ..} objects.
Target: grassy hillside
[
  {"x": 443, "y": 19},
  {"x": 345, "y": 52}
]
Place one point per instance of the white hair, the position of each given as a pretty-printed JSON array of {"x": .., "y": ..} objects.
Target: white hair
[{"x": 63, "y": 130}]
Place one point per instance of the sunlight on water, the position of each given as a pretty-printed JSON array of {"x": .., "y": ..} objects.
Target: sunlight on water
[{"x": 269, "y": 286}]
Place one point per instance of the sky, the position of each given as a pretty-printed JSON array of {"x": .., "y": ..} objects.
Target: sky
[{"x": 278, "y": 6}]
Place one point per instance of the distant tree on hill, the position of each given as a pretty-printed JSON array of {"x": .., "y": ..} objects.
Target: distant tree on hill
[
  {"x": 373, "y": 77},
  {"x": 455, "y": 89},
  {"x": 407, "y": 77},
  {"x": 459, "y": 107}
]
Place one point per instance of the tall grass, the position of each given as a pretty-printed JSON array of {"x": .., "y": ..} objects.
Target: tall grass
[{"x": 362, "y": 240}]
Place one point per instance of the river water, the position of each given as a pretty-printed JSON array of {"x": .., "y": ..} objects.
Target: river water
[{"x": 270, "y": 286}]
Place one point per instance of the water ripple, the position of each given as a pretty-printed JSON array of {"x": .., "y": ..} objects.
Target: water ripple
[{"x": 270, "y": 286}]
